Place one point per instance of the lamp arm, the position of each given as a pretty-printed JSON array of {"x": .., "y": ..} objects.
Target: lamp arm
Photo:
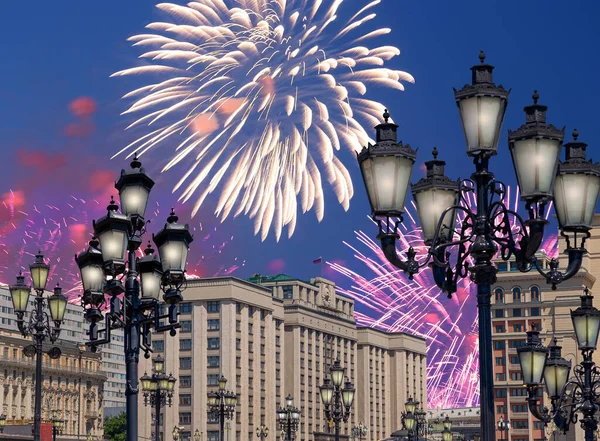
[
  {"x": 388, "y": 246},
  {"x": 554, "y": 276},
  {"x": 532, "y": 402},
  {"x": 21, "y": 325}
]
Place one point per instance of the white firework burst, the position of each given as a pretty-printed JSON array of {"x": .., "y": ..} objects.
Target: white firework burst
[{"x": 260, "y": 96}]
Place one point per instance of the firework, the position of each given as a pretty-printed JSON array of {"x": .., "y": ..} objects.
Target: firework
[
  {"x": 62, "y": 230},
  {"x": 388, "y": 300},
  {"x": 259, "y": 97}
]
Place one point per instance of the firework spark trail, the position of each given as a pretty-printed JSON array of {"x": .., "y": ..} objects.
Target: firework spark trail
[
  {"x": 61, "y": 231},
  {"x": 388, "y": 300},
  {"x": 261, "y": 96}
]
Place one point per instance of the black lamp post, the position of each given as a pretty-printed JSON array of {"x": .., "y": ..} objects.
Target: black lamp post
[
  {"x": 359, "y": 431},
  {"x": 112, "y": 257},
  {"x": 569, "y": 397},
  {"x": 288, "y": 418},
  {"x": 447, "y": 432},
  {"x": 413, "y": 419},
  {"x": 38, "y": 326},
  {"x": 337, "y": 399},
  {"x": 57, "y": 426},
  {"x": 158, "y": 391},
  {"x": 262, "y": 432},
  {"x": 503, "y": 426},
  {"x": 486, "y": 230},
  {"x": 222, "y": 404}
]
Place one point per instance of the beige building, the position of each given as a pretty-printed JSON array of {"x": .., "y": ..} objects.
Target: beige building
[
  {"x": 274, "y": 336},
  {"x": 520, "y": 300},
  {"x": 73, "y": 384}
]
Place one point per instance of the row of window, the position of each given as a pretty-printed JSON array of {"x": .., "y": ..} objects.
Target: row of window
[
  {"x": 518, "y": 296},
  {"x": 517, "y": 312},
  {"x": 500, "y": 329}
]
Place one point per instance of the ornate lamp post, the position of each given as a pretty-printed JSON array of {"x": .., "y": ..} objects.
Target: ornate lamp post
[
  {"x": 288, "y": 418},
  {"x": 158, "y": 391},
  {"x": 38, "y": 326},
  {"x": 487, "y": 229},
  {"x": 197, "y": 435},
  {"x": 176, "y": 432},
  {"x": 413, "y": 419},
  {"x": 262, "y": 432},
  {"x": 359, "y": 431},
  {"x": 111, "y": 256},
  {"x": 222, "y": 404},
  {"x": 57, "y": 426},
  {"x": 337, "y": 399},
  {"x": 568, "y": 396},
  {"x": 504, "y": 426},
  {"x": 447, "y": 432}
]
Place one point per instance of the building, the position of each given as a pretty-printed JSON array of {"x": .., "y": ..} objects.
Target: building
[
  {"x": 73, "y": 385},
  {"x": 520, "y": 300},
  {"x": 274, "y": 336}
]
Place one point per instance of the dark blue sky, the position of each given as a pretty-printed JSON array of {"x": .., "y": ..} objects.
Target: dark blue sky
[{"x": 54, "y": 52}]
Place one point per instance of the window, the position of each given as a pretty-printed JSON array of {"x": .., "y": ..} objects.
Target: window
[
  {"x": 514, "y": 359},
  {"x": 501, "y": 409},
  {"x": 535, "y": 294},
  {"x": 535, "y": 312},
  {"x": 185, "y": 362},
  {"x": 516, "y": 312},
  {"x": 519, "y": 392},
  {"x": 213, "y": 361},
  {"x": 516, "y": 375},
  {"x": 499, "y": 313},
  {"x": 518, "y": 328},
  {"x": 520, "y": 424},
  {"x": 502, "y": 267},
  {"x": 516, "y": 294},
  {"x": 185, "y": 417},
  {"x": 186, "y": 325},
  {"x": 501, "y": 376},
  {"x": 185, "y": 399},
  {"x": 499, "y": 295},
  {"x": 250, "y": 328},
  {"x": 214, "y": 325},
  {"x": 500, "y": 393},
  {"x": 185, "y": 381},
  {"x": 213, "y": 379},
  {"x": 158, "y": 345},
  {"x": 499, "y": 344},
  {"x": 238, "y": 325},
  {"x": 185, "y": 308},
  {"x": 516, "y": 343},
  {"x": 213, "y": 306},
  {"x": 185, "y": 344},
  {"x": 288, "y": 292},
  {"x": 212, "y": 435},
  {"x": 263, "y": 314},
  {"x": 238, "y": 307},
  {"x": 213, "y": 342},
  {"x": 500, "y": 361},
  {"x": 500, "y": 329}
]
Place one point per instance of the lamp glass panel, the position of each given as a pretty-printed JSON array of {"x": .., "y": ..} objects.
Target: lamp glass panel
[
  {"x": 575, "y": 199},
  {"x": 387, "y": 180},
  {"x": 409, "y": 422},
  {"x": 535, "y": 162},
  {"x": 92, "y": 277},
  {"x": 20, "y": 297},
  {"x": 337, "y": 376},
  {"x": 57, "y": 306},
  {"x": 158, "y": 364},
  {"x": 39, "y": 276},
  {"x": 586, "y": 330},
  {"x": 532, "y": 366},
  {"x": 430, "y": 206},
  {"x": 555, "y": 378},
  {"x": 348, "y": 396},
  {"x": 113, "y": 244},
  {"x": 151, "y": 282},
  {"x": 134, "y": 199},
  {"x": 173, "y": 255},
  {"x": 481, "y": 118},
  {"x": 164, "y": 382},
  {"x": 326, "y": 394},
  {"x": 446, "y": 435}
]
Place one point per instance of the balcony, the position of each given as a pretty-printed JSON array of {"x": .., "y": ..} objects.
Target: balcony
[{"x": 90, "y": 415}]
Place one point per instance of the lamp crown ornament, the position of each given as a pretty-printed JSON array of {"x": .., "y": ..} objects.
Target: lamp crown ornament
[
  {"x": 149, "y": 250},
  {"x": 135, "y": 163},
  {"x": 172, "y": 217},
  {"x": 112, "y": 205}
]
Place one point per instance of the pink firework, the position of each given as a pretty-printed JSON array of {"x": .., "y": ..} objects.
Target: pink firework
[
  {"x": 388, "y": 300},
  {"x": 60, "y": 231}
]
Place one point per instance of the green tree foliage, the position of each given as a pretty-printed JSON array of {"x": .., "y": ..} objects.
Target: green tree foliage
[{"x": 115, "y": 427}]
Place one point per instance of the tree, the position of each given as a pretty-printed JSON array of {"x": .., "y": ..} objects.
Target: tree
[{"x": 115, "y": 427}]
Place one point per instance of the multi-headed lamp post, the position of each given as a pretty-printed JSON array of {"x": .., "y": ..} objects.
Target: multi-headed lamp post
[
  {"x": 337, "y": 399},
  {"x": 489, "y": 228},
  {"x": 112, "y": 257},
  {"x": 360, "y": 431},
  {"x": 158, "y": 391},
  {"x": 288, "y": 418},
  {"x": 262, "y": 432},
  {"x": 57, "y": 425},
  {"x": 222, "y": 404},
  {"x": 413, "y": 419},
  {"x": 503, "y": 427},
  {"x": 38, "y": 326},
  {"x": 569, "y": 397}
]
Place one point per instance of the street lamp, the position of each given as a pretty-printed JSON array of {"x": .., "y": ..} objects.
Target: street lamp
[
  {"x": 197, "y": 435},
  {"x": 447, "y": 432},
  {"x": 110, "y": 257},
  {"x": 158, "y": 391},
  {"x": 359, "y": 431},
  {"x": 262, "y": 432},
  {"x": 57, "y": 425},
  {"x": 2, "y": 423},
  {"x": 413, "y": 419},
  {"x": 487, "y": 229},
  {"x": 38, "y": 326},
  {"x": 222, "y": 404},
  {"x": 288, "y": 418},
  {"x": 568, "y": 396},
  {"x": 176, "y": 432},
  {"x": 503, "y": 426},
  {"x": 337, "y": 399}
]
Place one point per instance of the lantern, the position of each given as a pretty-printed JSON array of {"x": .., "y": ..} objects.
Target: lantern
[
  {"x": 409, "y": 421},
  {"x": 150, "y": 270},
  {"x": 171, "y": 380},
  {"x": 39, "y": 272},
  {"x": 326, "y": 392},
  {"x": 556, "y": 373},
  {"x": 411, "y": 405},
  {"x": 532, "y": 357},
  {"x": 57, "y": 304},
  {"x": 173, "y": 242},
  {"x": 481, "y": 107},
  {"x": 92, "y": 274},
  {"x": 147, "y": 383},
  {"x": 348, "y": 394},
  {"x": 113, "y": 231},
  {"x": 19, "y": 293},
  {"x": 134, "y": 189},
  {"x": 337, "y": 373},
  {"x": 386, "y": 169},
  {"x": 222, "y": 382},
  {"x": 586, "y": 322},
  {"x": 158, "y": 364}
]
